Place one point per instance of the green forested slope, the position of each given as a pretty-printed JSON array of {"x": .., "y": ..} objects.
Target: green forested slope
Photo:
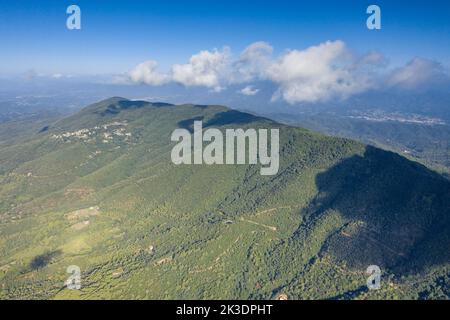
[{"x": 98, "y": 190}]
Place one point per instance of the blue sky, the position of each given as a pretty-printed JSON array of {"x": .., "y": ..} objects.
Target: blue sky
[{"x": 117, "y": 35}]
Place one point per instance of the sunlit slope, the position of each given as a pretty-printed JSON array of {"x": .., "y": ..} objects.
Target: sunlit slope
[{"x": 98, "y": 190}]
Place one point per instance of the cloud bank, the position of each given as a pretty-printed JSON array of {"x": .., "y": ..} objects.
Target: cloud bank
[
  {"x": 146, "y": 73},
  {"x": 318, "y": 73},
  {"x": 417, "y": 73},
  {"x": 204, "y": 69}
]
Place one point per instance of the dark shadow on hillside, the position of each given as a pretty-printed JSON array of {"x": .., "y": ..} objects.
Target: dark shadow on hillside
[
  {"x": 116, "y": 108},
  {"x": 161, "y": 104},
  {"x": 128, "y": 104},
  {"x": 42, "y": 260},
  {"x": 44, "y": 129},
  {"x": 188, "y": 124},
  {"x": 222, "y": 119},
  {"x": 397, "y": 212},
  {"x": 232, "y": 117}
]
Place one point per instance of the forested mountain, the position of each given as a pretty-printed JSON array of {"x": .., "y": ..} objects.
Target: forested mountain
[{"x": 98, "y": 190}]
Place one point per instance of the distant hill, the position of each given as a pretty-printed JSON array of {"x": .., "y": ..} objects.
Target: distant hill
[
  {"x": 428, "y": 143},
  {"x": 98, "y": 190}
]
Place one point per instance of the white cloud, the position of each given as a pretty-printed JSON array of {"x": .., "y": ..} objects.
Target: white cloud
[
  {"x": 417, "y": 72},
  {"x": 252, "y": 63},
  {"x": 204, "y": 69},
  {"x": 249, "y": 91},
  {"x": 318, "y": 73},
  {"x": 146, "y": 73},
  {"x": 371, "y": 59}
]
